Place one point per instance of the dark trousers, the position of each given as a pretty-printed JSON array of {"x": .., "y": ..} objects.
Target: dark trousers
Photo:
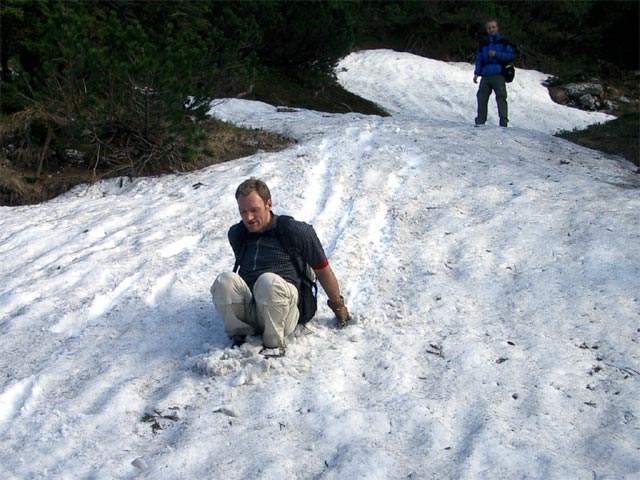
[{"x": 493, "y": 83}]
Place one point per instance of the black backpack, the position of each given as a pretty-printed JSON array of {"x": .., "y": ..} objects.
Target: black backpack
[
  {"x": 508, "y": 72},
  {"x": 308, "y": 292},
  {"x": 508, "y": 68}
]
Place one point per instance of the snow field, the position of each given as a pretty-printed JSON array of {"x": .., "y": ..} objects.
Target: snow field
[{"x": 492, "y": 275}]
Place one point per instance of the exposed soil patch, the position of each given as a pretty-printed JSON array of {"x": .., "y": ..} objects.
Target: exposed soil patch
[{"x": 226, "y": 142}]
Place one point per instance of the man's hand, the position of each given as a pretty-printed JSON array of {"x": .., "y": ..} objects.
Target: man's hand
[
  {"x": 340, "y": 311},
  {"x": 475, "y": 79}
]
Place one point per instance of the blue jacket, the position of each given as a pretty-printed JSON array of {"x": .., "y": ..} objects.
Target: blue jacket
[{"x": 486, "y": 65}]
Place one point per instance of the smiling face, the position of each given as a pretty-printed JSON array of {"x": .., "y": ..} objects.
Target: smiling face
[{"x": 255, "y": 212}]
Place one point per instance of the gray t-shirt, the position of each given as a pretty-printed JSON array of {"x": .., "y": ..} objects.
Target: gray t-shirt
[{"x": 264, "y": 253}]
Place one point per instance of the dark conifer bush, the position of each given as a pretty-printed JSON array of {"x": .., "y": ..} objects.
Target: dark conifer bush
[{"x": 123, "y": 82}]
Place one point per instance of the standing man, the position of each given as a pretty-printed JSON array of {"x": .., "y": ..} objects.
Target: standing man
[
  {"x": 489, "y": 59},
  {"x": 261, "y": 295}
]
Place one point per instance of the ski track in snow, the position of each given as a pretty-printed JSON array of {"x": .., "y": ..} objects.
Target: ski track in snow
[{"x": 492, "y": 275}]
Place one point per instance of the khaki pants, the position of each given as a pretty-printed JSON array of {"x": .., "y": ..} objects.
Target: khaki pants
[
  {"x": 496, "y": 84},
  {"x": 272, "y": 309}
]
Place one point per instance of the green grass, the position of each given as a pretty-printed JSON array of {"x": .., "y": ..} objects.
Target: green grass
[{"x": 618, "y": 137}]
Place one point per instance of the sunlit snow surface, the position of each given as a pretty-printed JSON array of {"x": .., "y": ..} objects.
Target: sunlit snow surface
[{"x": 493, "y": 275}]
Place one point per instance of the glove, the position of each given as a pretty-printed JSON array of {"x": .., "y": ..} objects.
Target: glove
[{"x": 340, "y": 311}]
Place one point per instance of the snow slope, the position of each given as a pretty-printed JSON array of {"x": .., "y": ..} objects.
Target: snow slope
[
  {"x": 493, "y": 275},
  {"x": 408, "y": 85}
]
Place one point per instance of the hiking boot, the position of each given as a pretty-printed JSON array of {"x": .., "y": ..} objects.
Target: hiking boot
[
  {"x": 238, "y": 340},
  {"x": 273, "y": 352}
]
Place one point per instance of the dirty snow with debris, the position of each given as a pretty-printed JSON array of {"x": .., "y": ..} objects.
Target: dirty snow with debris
[{"x": 493, "y": 275}]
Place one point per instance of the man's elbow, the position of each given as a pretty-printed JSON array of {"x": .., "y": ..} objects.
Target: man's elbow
[{"x": 321, "y": 266}]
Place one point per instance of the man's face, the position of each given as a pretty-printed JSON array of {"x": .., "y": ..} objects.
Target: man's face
[
  {"x": 492, "y": 28},
  {"x": 255, "y": 212}
]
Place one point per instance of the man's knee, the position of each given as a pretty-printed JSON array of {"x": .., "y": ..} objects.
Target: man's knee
[
  {"x": 271, "y": 289},
  {"x": 227, "y": 288}
]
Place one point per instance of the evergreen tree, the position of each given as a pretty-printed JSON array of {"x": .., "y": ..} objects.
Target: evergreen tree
[{"x": 124, "y": 81}]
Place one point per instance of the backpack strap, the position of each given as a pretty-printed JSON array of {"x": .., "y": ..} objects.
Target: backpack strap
[
  {"x": 242, "y": 240},
  {"x": 307, "y": 306},
  {"x": 282, "y": 232}
]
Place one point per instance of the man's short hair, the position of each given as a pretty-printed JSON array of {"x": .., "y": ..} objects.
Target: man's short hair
[{"x": 253, "y": 184}]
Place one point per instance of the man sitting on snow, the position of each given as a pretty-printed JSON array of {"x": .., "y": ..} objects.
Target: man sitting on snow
[{"x": 261, "y": 295}]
